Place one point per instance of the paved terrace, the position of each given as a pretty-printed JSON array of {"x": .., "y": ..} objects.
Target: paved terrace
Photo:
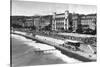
[
  {"x": 76, "y": 35},
  {"x": 87, "y": 39}
]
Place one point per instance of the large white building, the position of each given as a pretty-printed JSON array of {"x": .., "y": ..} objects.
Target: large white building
[{"x": 60, "y": 21}]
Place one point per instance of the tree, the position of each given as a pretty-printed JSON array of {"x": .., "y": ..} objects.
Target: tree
[{"x": 47, "y": 27}]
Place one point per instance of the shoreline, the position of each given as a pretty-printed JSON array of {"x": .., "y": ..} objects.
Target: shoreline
[
  {"x": 56, "y": 54},
  {"x": 86, "y": 59}
]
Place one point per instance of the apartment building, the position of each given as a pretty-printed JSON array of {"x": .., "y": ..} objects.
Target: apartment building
[
  {"x": 29, "y": 22},
  {"x": 75, "y": 22},
  {"x": 60, "y": 21},
  {"x": 41, "y": 21},
  {"x": 89, "y": 21}
]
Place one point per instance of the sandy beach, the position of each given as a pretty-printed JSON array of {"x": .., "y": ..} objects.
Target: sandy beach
[{"x": 23, "y": 53}]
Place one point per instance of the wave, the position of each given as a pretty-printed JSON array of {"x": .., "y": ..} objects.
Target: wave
[{"x": 41, "y": 46}]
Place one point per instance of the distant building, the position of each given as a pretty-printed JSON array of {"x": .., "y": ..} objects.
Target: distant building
[
  {"x": 60, "y": 21},
  {"x": 17, "y": 21},
  {"x": 36, "y": 22},
  {"x": 29, "y": 22},
  {"x": 42, "y": 21},
  {"x": 66, "y": 21},
  {"x": 89, "y": 21},
  {"x": 75, "y": 22}
]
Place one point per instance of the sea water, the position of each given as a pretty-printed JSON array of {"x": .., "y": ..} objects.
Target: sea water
[{"x": 52, "y": 52}]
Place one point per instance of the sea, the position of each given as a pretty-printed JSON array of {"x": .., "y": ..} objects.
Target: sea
[{"x": 25, "y": 52}]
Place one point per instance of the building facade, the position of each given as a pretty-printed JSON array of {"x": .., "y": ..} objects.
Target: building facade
[
  {"x": 75, "y": 22},
  {"x": 41, "y": 22},
  {"x": 60, "y": 21},
  {"x": 36, "y": 20},
  {"x": 89, "y": 21},
  {"x": 29, "y": 22},
  {"x": 66, "y": 22},
  {"x": 17, "y": 21}
]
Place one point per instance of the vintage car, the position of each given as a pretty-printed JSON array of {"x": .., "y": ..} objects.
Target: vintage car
[{"x": 72, "y": 44}]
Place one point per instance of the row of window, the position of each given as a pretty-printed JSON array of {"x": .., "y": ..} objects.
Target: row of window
[
  {"x": 88, "y": 17},
  {"x": 75, "y": 17}
]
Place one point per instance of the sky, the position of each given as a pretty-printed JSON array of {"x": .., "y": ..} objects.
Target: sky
[{"x": 31, "y": 8}]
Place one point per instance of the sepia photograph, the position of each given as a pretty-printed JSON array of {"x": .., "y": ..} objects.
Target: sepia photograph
[{"x": 45, "y": 33}]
